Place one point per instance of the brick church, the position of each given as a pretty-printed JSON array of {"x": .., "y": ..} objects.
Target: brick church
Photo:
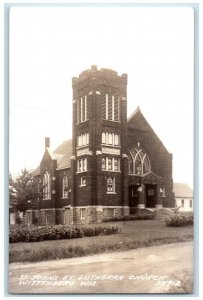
[{"x": 113, "y": 166}]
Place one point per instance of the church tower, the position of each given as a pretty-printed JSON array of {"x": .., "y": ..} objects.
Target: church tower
[{"x": 99, "y": 163}]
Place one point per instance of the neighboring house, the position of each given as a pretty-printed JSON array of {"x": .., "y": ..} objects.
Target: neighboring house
[
  {"x": 183, "y": 196},
  {"x": 112, "y": 166}
]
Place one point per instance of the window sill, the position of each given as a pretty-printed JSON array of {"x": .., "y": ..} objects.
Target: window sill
[
  {"x": 114, "y": 171},
  {"x": 46, "y": 198},
  {"x": 82, "y": 147},
  {"x": 111, "y": 146},
  {"x": 114, "y": 193},
  {"x": 82, "y": 186},
  {"x": 64, "y": 197},
  {"x": 81, "y": 172}
]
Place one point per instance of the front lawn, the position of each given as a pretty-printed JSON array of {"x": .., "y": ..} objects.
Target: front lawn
[{"x": 134, "y": 234}]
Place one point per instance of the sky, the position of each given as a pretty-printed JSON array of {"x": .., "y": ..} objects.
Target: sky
[{"x": 49, "y": 46}]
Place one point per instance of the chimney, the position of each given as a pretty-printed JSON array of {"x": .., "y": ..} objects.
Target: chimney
[{"x": 47, "y": 142}]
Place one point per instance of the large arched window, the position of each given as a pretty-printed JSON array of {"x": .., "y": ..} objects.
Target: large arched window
[
  {"x": 46, "y": 185},
  {"x": 139, "y": 163},
  {"x": 65, "y": 187}
]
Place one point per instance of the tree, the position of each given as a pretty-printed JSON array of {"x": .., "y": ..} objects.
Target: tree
[{"x": 24, "y": 191}]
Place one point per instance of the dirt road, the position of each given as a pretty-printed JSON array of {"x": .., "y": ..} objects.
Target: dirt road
[{"x": 159, "y": 269}]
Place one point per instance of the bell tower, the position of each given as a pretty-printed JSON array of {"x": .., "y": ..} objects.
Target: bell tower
[{"x": 99, "y": 140}]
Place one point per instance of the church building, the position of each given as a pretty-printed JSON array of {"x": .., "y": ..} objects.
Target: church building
[{"x": 113, "y": 165}]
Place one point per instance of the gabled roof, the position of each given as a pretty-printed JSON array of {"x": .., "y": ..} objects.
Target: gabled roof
[
  {"x": 62, "y": 154},
  {"x": 134, "y": 113},
  {"x": 137, "y": 121},
  {"x": 182, "y": 190}
]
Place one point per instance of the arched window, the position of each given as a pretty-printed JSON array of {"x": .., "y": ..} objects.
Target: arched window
[
  {"x": 103, "y": 163},
  {"x": 46, "y": 185},
  {"x": 146, "y": 164},
  {"x": 138, "y": 165},
  {"x": 65, "y": 187},
  {"x": 130, "y": 165},
  {"x": 138, "y": 162}
]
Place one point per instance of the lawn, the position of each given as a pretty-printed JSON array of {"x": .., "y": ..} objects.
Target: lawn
[{"x": 135, "y": 234}]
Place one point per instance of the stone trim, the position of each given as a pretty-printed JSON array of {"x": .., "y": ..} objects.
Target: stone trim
[
  {"x": 47, "y": 209},
  {"x": 141, "y": 205},
  {"x": 158, "y": 206},
  {"x": 100, "y": 206}
]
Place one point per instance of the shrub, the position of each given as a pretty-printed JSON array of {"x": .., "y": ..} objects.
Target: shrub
[
  {"x": 179, "y": 220},
  {"x": 57, "y": 232},
  {"x": 138, "y": 216}
]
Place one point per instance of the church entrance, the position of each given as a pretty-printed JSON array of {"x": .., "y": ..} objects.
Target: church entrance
[
  {"x": 150, "y": 195},
  {"x": 133, "y": 198}
]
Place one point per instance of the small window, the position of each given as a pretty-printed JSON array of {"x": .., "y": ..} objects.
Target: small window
[
  {"x": 190, "y": 203},
  {"x": 182, "y": 202},
  {"x": 82, "y": 213},
  {"x": 111, "y": 185},
  {"x": 110, "y": 139},
  {"x": 112, "y": 212},
  {"x": 103, "y": 138},
  {"x": 83, "y": 181},
  {"x": 103, "y": 164},
  {"x": 82, "y": 165},
  {"x": 116, "y": 167},
  {"x": 110, "y": 164},
  {"x": 116, "y": 142}
]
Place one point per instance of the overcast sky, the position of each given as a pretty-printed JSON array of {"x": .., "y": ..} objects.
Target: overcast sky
[{"x": 49, "y": 46}]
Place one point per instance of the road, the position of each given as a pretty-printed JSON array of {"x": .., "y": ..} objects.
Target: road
[{"x": 158, "y": 269}]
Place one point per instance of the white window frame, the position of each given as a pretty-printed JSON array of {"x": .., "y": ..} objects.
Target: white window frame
[
  {"x": 111, "y": 139},
  {"x": 81, "y": 181},
  {"x": 83, "y": 139},
  {"x": 65, "y": 180},
  {"x": 113, "y": 191},
  {"x": 46, "y": 186},
  {"x": 82, "y": 213},
  {"x": 112, "y": 108},
  {"x": 103, "y": 137},
  {"x": 113, "y": 159},
  {"x": 83, "y": 163}
]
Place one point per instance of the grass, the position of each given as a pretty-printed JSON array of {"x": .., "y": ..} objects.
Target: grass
[{"x": 135, "y": 234}]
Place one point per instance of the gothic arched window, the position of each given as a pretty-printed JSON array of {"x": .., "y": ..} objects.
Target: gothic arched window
[
  {"x": 138, "y": 162},
  {"x": 46, "y": 185}
]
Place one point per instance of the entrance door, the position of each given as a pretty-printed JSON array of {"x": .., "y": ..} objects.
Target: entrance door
[
  {"x": 150, "y": 195},
  {"x": 133, "y": 198}
]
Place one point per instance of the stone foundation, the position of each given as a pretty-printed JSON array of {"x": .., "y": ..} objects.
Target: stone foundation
[
  {"x": 74, "y": 215},
  {"x": 47, "y": 217}
]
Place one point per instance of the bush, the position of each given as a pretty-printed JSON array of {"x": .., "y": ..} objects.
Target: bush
[
  {"x": 138, "y": 216},
  {"x": 57, "y": 232},
  {"x": 179, "y": 220}
]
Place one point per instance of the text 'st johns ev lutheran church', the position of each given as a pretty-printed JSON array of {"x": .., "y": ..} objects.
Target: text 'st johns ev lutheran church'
[{"x": 111, "y": 167}]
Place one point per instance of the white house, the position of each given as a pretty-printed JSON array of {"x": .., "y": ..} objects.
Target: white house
[{"x": 183, "y": 196}]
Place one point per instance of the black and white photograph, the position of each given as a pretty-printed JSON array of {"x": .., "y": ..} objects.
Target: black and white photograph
[{"x": 101, "y": 149}]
